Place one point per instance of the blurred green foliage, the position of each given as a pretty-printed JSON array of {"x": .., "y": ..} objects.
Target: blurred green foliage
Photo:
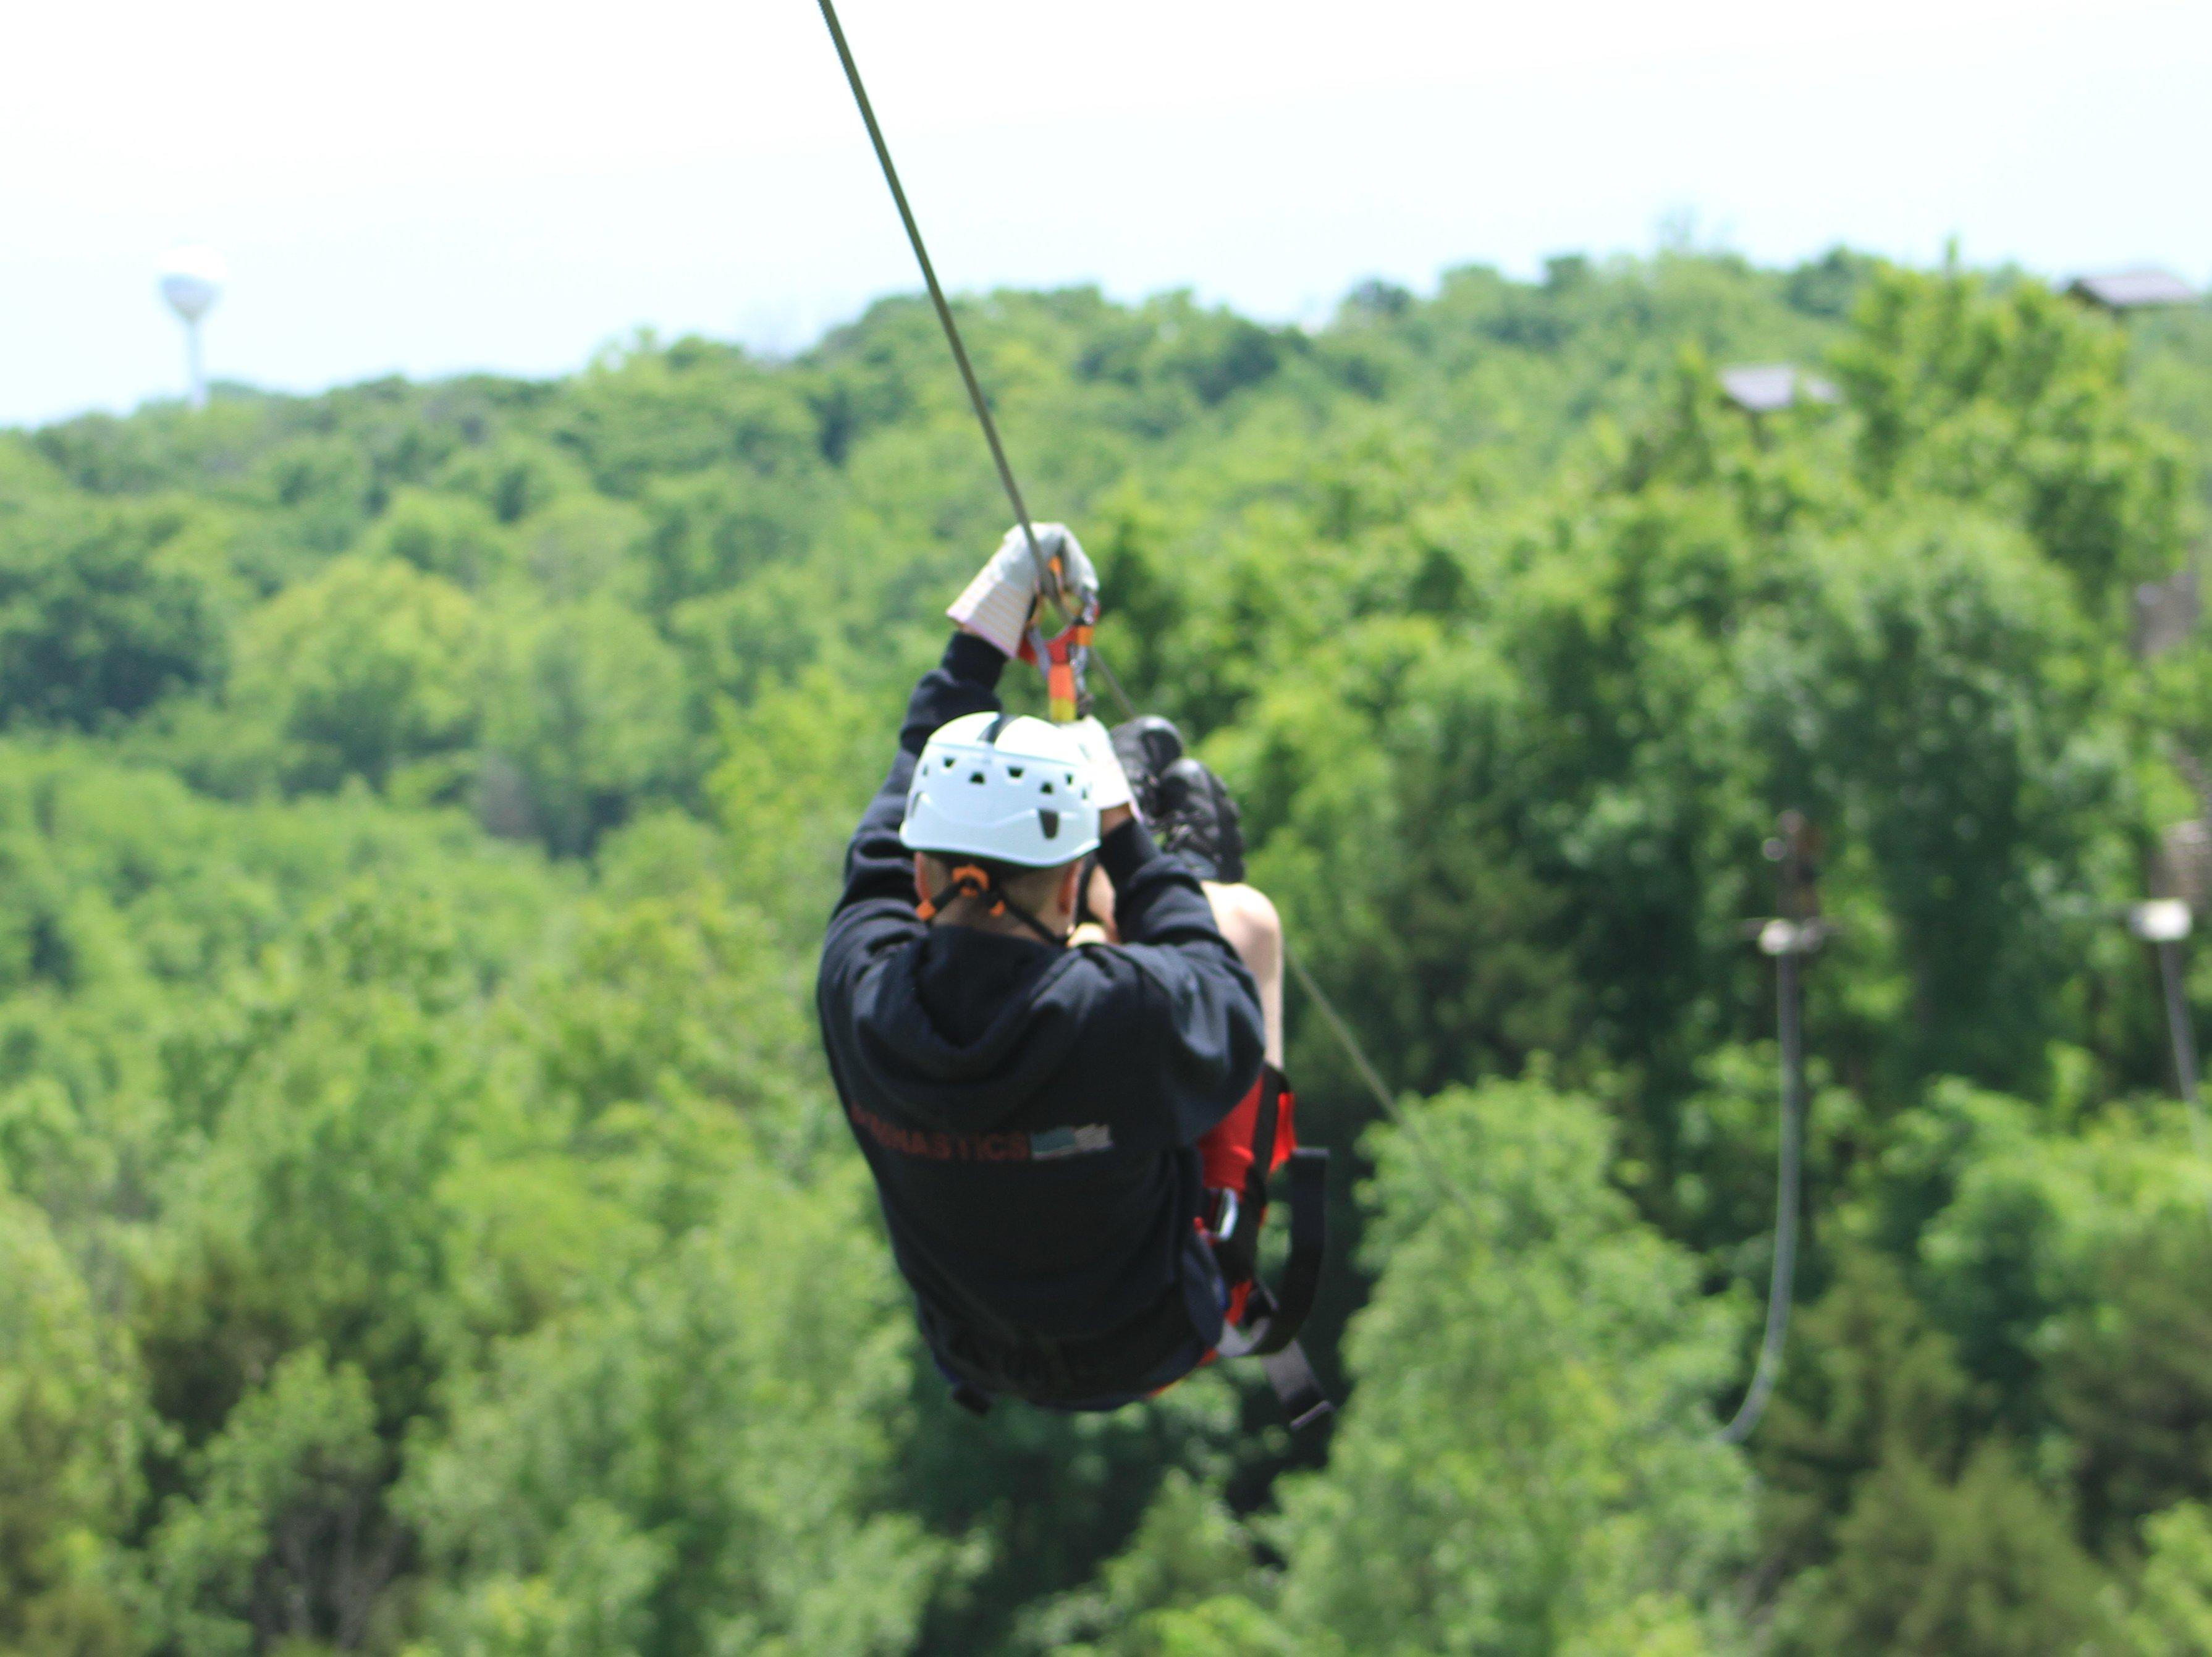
[{"x": 425, "y": 1225}]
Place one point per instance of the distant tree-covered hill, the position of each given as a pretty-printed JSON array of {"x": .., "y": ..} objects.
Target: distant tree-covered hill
[{"x": 425, "y": 1223}]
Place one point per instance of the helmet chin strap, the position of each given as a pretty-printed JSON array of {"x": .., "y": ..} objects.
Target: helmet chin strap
[{"x": 972, "y": 880}]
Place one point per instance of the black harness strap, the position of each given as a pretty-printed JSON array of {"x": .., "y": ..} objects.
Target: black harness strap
[
  {"x": 1267, "y": 1128},
  {"x": 1297, "y": 1386},
  {"x": 1292, "y": 1296},
  {"x": 1239, "y": 1248}
]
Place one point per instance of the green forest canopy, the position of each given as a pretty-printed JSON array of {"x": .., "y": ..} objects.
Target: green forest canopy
[{"x": 425, "y": 1224}]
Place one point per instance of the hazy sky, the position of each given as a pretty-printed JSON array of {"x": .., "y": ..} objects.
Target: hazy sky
[{"x": 426, "y": 185}]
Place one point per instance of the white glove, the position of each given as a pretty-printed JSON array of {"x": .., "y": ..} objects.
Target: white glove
[
  {"x": 1109, "y": 783},
  {"x": 998, "y": 603}
]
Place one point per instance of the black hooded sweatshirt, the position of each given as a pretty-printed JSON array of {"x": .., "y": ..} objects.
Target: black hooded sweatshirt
[{"x": 1030, "y": 1112}]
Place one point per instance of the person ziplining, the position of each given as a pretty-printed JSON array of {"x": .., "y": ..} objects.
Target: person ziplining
[{"x": 1058, "y": 1041}]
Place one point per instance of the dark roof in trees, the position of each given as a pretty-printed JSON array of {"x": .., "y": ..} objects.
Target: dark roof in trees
[{"x": 2127, "y": 290}]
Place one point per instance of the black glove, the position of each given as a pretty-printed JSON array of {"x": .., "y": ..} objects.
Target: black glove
[
  {"x": 1147, "y": 747},
  {"x": 1198, "y": 821},
  {"x": 1187, "y": 806}
]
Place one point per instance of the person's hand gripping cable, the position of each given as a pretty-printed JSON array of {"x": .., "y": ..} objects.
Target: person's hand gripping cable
[{"x": 1002, "y": 602}]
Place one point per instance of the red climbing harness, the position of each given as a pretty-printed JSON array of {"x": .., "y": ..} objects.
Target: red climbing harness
[{"x": 1238, "y": 1157}]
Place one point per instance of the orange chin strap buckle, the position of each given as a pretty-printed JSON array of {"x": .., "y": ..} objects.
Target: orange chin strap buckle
[
  {"x": 967, "y": 881},
  {"x": 970, "y": 881}
]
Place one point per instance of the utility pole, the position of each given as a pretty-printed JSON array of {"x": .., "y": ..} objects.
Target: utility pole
[{"x": 1795, "y": 932}]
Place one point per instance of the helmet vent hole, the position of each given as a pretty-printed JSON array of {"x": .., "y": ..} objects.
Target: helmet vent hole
[
  {"x": 1049, "y": 821},
  {"x": 975, "y": 777},
  {"x": 1015, "y": 772},
  {"x": 1047, "y": 788}
]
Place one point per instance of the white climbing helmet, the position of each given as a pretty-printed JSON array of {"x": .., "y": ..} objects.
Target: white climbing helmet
[{"x": 1004, "y": 787}]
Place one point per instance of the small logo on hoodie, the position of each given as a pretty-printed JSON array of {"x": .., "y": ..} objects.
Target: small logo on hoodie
[{"x": 1070, "y": 1142}]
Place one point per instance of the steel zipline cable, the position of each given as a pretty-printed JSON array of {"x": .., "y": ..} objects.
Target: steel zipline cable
[
  {"x": 1046, "y": 582},
  {"x": 1361, "y": 1064}
]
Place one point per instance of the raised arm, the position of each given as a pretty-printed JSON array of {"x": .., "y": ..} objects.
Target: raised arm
[{"x": 966, "y": 681}]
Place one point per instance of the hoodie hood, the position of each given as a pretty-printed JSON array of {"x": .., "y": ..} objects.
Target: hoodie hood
[{"x": 966, "y": 1027}]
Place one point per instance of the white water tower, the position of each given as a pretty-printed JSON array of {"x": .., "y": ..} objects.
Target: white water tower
[{"x": 191, "y": 282}]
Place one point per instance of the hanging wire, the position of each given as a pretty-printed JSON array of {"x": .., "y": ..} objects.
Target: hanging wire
[
  {"x": 1113, "y": 684},
  {"x": 1360, "y": 1063},
  {"x": 1357, "y": 1054},
  {"x": 1781, "y": 1287},
  {"x": 1791, "y": 937}
]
